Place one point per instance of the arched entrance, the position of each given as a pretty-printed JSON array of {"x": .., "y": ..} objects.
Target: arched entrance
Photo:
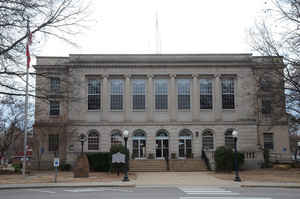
[
  {"x": 162, "y": 144},
  {"x": 185, "y": 144},
  {"x": 139, "y": 144}
]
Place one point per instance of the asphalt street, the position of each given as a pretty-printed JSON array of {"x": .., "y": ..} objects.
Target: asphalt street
[{"x": 199, "y": 192}]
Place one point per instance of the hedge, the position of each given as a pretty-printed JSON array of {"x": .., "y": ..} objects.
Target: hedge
[{"x": 224, "y": 159}]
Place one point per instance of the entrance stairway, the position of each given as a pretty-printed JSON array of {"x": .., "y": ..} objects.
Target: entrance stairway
[
  {"x": 161, "y": 165},
  {"x": 148, "y": 165}
]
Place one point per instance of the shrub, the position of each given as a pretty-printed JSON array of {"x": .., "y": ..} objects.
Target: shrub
[
  {"x": 267, "y": 163},
  {"x": 99, "y": 161},
  {"x": 17, "y": 167},
  {"x": 224, "y": 159},
  {"x": 173, "y": 156}
]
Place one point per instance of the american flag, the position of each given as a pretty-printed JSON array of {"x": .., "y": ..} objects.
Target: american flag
[{"x": 29, "y": 41}]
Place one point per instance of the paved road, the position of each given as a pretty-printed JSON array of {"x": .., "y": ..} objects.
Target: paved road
[{"x": 191, "y": 192}]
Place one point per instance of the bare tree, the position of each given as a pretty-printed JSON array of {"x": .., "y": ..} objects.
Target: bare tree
[
  {"x": 54, "y": 18},
  {"x": 278, "y": 35},
  {"x": 12, "y": 122}
]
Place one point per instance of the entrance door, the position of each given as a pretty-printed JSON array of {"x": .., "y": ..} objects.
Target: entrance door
[
  {"x": 162, "y": 148},
  {"x": 139, "y": 148},
  {"x": 185, "y": 148},
  {"x": 162, "y": 144}
]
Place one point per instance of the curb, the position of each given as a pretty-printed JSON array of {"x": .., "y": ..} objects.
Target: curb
[
  {"x": 62, "y": 185},
  {"x": 272, "y": 186}
]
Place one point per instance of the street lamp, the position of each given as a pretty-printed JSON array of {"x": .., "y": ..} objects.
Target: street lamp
[
  {"x": 237, "y": 178},
  {"x": 125, "y": 135},
  {"x": 82, "y": 139}
]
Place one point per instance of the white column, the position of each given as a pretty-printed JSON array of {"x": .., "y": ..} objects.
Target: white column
[
  {"x": 172, "y": 98},
  {"x": 218, "y": 98},
  {"x": 127, "y": 93},
  {"x": 195, "y": 98},
  {"x": 105, "y": 97},
  {"x": 150, "y": 100}
]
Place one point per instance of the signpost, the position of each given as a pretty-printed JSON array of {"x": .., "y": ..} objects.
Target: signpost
[
  {"x": 56, "y": 165},
  {"x": 118, "y": 158}
]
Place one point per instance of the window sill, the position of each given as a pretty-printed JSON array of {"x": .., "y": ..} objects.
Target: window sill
[
  {"x": 139, "y": 110},
  {"x": 228, "y": 110},
  {"x": 95, "y": 110},
  {"x": 117, "y": 110},
  {"x": 161, "y": 110},
  {"x": 206, "y": 110},
  {"x": 54, "y": 116},
  {"x": 183, "y": 110}
]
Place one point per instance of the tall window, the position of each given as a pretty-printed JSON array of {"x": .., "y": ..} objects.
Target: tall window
[
  {"x": 161, "y": 94},
  {"x": 206, "y": 94},
  {"x": 54, "y": 108},
  {"x": 229, "y": 140},
  {"x": 268, "y": 141},
  {"x": 183, "y": 93},
  {"x": 116, "y": 137},
  {"x": 93, "y": 140},
  {"x": 138, "y": 94},
  {"x": 94, "y": 94},
  {"x": 266, "y": 104},
  {"x": 207, "y": 140},
  {"x": 185, "y": 144},
  {"x": 54, "y": 84},
  {"x": 116, "y": 94},
  {"x": 53, "y": 143},
  {"x": 228, "y": 93}
]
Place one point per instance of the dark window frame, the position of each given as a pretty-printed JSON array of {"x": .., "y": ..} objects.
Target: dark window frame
[
  {"x": 206, "y": 96},
  {"x": 53, "y": 143},
  {"x": 228, "y": 93},
  {"x": 94, "y": 94},
  {"x": 54, "y": 108}
]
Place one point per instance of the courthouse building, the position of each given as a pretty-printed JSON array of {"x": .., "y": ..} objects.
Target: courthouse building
[{"x": 175, "y": 105}]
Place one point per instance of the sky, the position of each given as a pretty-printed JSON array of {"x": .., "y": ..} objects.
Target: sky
[{"x": 190, "y": 26}]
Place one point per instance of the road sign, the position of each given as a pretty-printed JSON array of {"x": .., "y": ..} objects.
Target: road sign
[
  {"x": 56, "y": 162},
  {"x": 118, "y": 158}
]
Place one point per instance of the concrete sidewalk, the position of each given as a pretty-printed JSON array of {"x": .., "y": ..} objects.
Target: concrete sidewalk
[
  {"x": 66, "y": 185},
  {"x": 157, "y": 179}
]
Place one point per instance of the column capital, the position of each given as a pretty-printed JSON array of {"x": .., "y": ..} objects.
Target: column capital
[
  {"x": 195, "y": 75},
  {"x": 105, "y": 76},
  {"x": 150, "y": 76},
  {"x": 127, "y": 76},
  {"x": 217, "y": 75},
  {"x": 172, "y": 75}
]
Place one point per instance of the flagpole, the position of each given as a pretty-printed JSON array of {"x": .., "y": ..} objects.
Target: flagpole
[{"x": 26, "y": 104}]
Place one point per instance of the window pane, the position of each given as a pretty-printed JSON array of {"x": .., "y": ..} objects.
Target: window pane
[
  {"x": 183, "y": 93},
  {"x": 161, "y": 94},
  {"x": 138, "y": 94},
  {"x": 268, "y": 141},
  {"x": 116, "y": 138},
  {"x": 93, "y": 141},
  {"x": 94, "y": 95},
  {"x": 208, "y": 140},
  {"x": 53, "y": 142},
  {"x": 228, "y": 93},
  {"x": 205, "y": 94},
  {"x": 116, "y": 98},
  {"x": 54, "y": 108},
  {"x": 229, "y": 140},
  {"x": 54, "y": 84},
  {"x": 266, "y": 106}
]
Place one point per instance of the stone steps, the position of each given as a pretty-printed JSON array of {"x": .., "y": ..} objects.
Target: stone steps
[{"x": 174, "y": 165}]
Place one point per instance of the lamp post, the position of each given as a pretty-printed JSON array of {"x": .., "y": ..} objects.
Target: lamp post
[
  {"x": 297, "y": 151},
  {"x": 82, "y": 139},
  {"x": 237, "y": 178},
  {"x": 125, "y": 135}
]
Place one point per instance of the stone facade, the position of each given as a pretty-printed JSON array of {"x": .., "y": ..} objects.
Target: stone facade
[{"x": 75, "y": 118}]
